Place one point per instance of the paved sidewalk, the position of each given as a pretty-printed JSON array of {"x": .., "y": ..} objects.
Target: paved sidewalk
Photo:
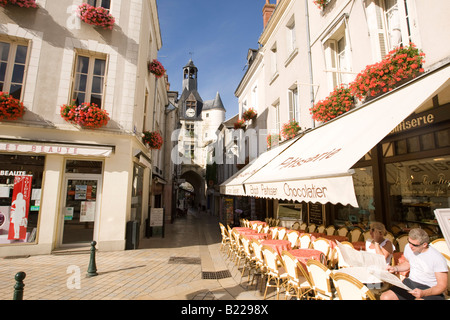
[{"x": 186, "y": 264}]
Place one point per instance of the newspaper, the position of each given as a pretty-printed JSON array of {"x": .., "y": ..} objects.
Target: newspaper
[{"x": 366, "y": 265}]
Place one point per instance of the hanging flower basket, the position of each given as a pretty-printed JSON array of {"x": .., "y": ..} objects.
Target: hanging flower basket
[
  {"x": 290, "y": 129},
  {"x": 19, "y": 3},
  {"x": 249, "y": 114},
  {"x": 240, "y": 124},
  {"x": 87, "y": 115},
  {"x": 155, "y": 67},
  {"x": 10, "y": 107},
  {"x": 337, "y": 103},
  {"x": 403, "y": 63},
  {"x": 321, "y": 4},
  {"x": 153, "y": 139},
  {"x": 272, "y": 140},
  {"x": 97, "y": 16}
]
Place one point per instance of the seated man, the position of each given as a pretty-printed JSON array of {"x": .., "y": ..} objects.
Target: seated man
[{"x": 427, "y": 267}]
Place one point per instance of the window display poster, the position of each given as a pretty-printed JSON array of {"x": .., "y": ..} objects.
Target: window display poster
[
  {"x": 80, "y": 192},
  {"x": 19, "y": 208},
  {"x": 68, "y": 213},
  {"x": 87, "y": 213},
  {"x": 4, "y": 219}
]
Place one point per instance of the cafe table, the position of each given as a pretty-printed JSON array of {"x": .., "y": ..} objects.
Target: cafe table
[
  {"x": 304, "y": 255},
  {"x": 257, "y": 236},
  {"x": 244, "y": 230},
  {"x": 278, "y": 245}
]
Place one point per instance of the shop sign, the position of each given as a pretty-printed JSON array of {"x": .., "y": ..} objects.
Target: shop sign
[
  {"x": 56, "y": 149},
  {"x": 19, "y": 208}
]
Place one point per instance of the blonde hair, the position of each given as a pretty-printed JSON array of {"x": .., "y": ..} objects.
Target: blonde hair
[{"x": 378, "y": 226}]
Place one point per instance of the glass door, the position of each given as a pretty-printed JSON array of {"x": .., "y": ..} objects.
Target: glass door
[{"x": 80, "y": 208}]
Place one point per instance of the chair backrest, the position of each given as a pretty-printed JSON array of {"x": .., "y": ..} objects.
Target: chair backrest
[
  {"x": 271, "y": 259},
  {"x": 296, "y": 226},
  {"x": 246, "y": 244},
  {"x": 330, "y": 230},
  {"x": 355, "y": 234},
  {"x": 319, "y": 275},
  {"x": 441, "y": 246},
  {"x": 257, "y": 251},
  {"x": 305, "y": 240},
  {"x": 321, "y": 229},
  {"x": 342, "y": 231},
  {"x": 294, "y": 268},
  {"x": 303, "y": 226},
  {"x": 312, "y": 228},
  {"x": 292, "y": 236},
  {"x": 275, "y": 233},
  {"x": 390, "y": 237},
  {"x": 366, "y": 235},
  {"x": 401, "y": 241},
  {"x": 337, "y": 255},
  {"x": 281, "y": 233},
  {"x": 349, "y": 288},
  {"x": 266, "y": 228},
  {"x": 259, "y": 228},
  {"x": 323, "y": 245},
  {"x": 396, "y": 230}
]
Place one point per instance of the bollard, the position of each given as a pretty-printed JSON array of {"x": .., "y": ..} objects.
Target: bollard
[
  {"x": 92, "y": 269},
  {"x": 18, "y": 288}
]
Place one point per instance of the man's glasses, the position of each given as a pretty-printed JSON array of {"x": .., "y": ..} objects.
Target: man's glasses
[{"x": 415, "y": 245}]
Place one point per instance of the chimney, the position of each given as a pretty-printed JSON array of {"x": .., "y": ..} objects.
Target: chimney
[{"x": 268, "y": 9}]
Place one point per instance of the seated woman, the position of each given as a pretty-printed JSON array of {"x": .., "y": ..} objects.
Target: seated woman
[{"x": 378, "y": 244}]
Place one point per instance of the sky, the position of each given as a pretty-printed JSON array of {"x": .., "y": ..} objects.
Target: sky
[{"x": 216, "y": 35}]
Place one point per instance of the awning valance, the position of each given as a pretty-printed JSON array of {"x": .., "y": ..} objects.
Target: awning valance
[{"x": 317, "y": 167}]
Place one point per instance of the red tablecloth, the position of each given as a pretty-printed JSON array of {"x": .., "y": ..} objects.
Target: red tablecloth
[
  {"x": 359, "y": 245},
  {"x": 257, "y": 222},
  {"x": 304, "y": 255},
  {"x": 257, "y": 236},
  {"x": 244, "y": 230},
  {"x": 278, "y": 245}
]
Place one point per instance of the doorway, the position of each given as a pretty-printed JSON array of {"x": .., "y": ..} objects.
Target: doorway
[{"x": 82, "y": 193}]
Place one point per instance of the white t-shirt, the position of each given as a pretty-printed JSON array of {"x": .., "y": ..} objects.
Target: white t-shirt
[
  {"x": 389, "y": 257},
  {"x": 423, "y": 266}
]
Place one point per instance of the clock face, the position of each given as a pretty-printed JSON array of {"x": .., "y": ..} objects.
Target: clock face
[{"x": 190, "y": 112}]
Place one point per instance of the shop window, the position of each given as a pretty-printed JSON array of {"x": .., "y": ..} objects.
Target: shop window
[
  {"x": 100, "y": 3},
  {"x": 364, "y": 190},
  {"x": 88, "y": 167},
  {"x": 19, "y": 204},
  {"x": 428, "y": 141},
  {"x": 443, "y": 138},
  {"x": 13, "y": 56},
  {"x": 416, "y": 188}
]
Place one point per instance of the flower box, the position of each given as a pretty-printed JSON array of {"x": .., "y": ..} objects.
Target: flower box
[
  {"x": 290, "y": 130},
  {"x": 155, "y": 67},
  {"x": 97, "y": 16},
  {"x": 19, "y": 3},
  {"x": 321, "y": 4},
  {"x": 338, "y": 102},
  {"x": 249, "y": 114},
  {"x": 273, "y": 140},
  {"x": 240, "y": 124},
  {"x": 403, "y": 63},
  {"x": 10, "y": 107},
  {"x": 153, "y": 139},
  {"x": 87, "y": 115}
]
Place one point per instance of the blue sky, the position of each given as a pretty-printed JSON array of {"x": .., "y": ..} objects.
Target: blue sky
[{"x": 218, "y": 34}]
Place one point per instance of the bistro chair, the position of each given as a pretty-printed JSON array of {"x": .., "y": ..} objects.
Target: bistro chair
[
  {"x": 323, "y": 245},
  {"x": 401, "y": 242},
  {"x": 303, "y": 226},
  {"x": 396, "y": 230},
  {"x": 265, "y": 229},
  {"x": 239, "y": 249},
  {"x": 232, "y": 246},
  {"x": 249, "y": 257},
  {"x": 259, "y": 228},
  {"x": 293, "y": 237},
  {"x": 338, "y": 259},
  {"x": 305, "y": 241},
  {"x": 321, "y": 229},
  {"x": 390, "y": 237},
  {"x": 225, "y": 237},
  {"x": 296, "y": 226},
  {"x": 366, "y": 235},
  {"x": 342, "y": 231},
  {"x": 275, "y": 270},
  {"x": 297, "y": 277},
  {"x": 260, "y": 266},
  {"x": 281, "y": 233},
  {"x": 355, "y": 234},
  {"x": 312, "y": 228},
  {"x": 319, "y": 275},
  {"x": 330, "y": 230},
  {"x": 349, "y": 288},
  {"x": 274, "y": 233},
  {"x": 441, "y": 246}
]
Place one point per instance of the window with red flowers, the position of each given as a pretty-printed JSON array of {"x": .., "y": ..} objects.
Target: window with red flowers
[{"x": 13, "y": 59}]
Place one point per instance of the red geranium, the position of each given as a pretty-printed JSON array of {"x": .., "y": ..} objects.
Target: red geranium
[
  {"x": 97, "y": 16},
  {"x": 272, "y": 140},
  {"x": 290, "y": 129},
  {"x": 249, "y": 114},
  {"x": 153, "y": 139},
  {"x": 156, "y": 68},
  {"x": 10, "y": 108},
  {"x": 321, "y": 3},
  {"x": 338, "y": 102},
  {"x": 87, "y": 115},
  {"x": 239, "y": 124},
  {"x": 20, "y": 3},
  {"x": 400, "y": 64}
]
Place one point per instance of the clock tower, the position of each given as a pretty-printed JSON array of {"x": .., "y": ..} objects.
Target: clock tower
[{"x": 192, "y": 103}]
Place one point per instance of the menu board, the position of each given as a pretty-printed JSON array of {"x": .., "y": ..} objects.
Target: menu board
[
  {"x": 316, "y": 213},
  {"x": 157, "y": 217}
]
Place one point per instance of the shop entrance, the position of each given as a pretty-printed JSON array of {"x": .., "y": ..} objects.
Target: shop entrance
[{"x": 80, "y": 208}]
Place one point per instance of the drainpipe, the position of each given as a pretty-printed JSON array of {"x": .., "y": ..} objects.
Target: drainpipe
[{"x": 308, "y": 43}]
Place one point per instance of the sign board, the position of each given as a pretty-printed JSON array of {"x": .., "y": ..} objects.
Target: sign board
[
  {"x": 443, "y": 218},
  {"x": 316, "y": 213},
  {"x": 20, "y": 207},
  {"x": 157, "y": 217}
]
